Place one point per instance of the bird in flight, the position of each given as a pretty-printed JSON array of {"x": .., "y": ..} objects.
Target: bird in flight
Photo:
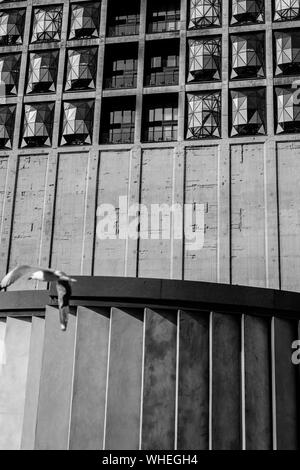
[{"x": 63, "y": 286}]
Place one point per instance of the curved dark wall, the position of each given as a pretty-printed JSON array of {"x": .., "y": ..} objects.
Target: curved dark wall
[{"x": 150, "y": 364}]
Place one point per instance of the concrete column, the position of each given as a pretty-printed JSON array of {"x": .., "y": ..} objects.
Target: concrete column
[
  {"x": 58, "y": 113},
  {"x": 159, "y": 389},
  {"x": 33, "y": 383},
  {"x": 89, "y": 386},
  {"x": 124, "y": 380},
  {"x": 271, "y": 203},
  {"x": 13, "y": 382},
  {"x": 53, "y": 417},
  {"x": 90, "y": 213}
]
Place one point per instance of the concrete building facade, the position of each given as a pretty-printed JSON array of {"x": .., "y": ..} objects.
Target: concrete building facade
[{"x": 162, "y": 102}]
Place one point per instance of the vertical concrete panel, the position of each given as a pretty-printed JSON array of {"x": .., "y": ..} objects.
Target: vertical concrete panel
[
  {"x": 226, "y": 382},
  {"x": 288, "y": 154},
  {"x": 53, "y": 418},
  {"x": 28, "y": 215},
  {"x": 201, "y": 187},
  {"x": 113, "y": 183},
  {"x": 125, "y": 380},
  {"x": 70, "y": 213},
  {"x": 33, "y": 383},
  {"x": 3, "y": 176},
  {"x": 286, "y": 385},
  {"x": 248, "y": 251},
  {"x": 193, "y": 388},
  {"x": 224, "y": 188},
  {"x": 158, "y": 431},
  {"x": 258, "y": 395},
  {"x": 13, "y": 382},
  {"x": 90, "y": 371},
  {"x": 2, "y": 344},
  {"x": 156, "y": 188}
]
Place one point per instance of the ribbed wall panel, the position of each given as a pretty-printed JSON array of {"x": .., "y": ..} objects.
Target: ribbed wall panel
[{"x": 149, "y": 378}]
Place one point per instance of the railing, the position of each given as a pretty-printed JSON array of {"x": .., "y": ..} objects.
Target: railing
[
  {"x": 124, "y": 81},
  {"x": 151, "y": 364},
  {"x": 169, "y": 25},
  {"x": 124, "y": 30},
  {"x": 163, "y": 133},
  {"x": 166, "y": 78},
  {"x": 118, "y": 136}
]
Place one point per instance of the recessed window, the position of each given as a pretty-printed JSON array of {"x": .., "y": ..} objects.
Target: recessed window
[
  {"x": 205, "y": 14},
  {"x": 287, "y": 52},
  {"x": 163, "y": 16},
  {"x": 286, "y": 10},
  {"x": 204, "y": 115},
  {"x": 247, "y": 56},
  {"x": 248, "y": 111},
  {"x": 9, "y": 72},
  {"x": 77, "y": 122},
  {"x": 205, "y": 58},
  {"x": 118, "y": 121},
  {"x": 42, "y": 72},
  {"x": 162, "y": 63},
  {"x": 121, "y": 65},
  {"x": 37, "y": 125},
  {"x": 123, "y": 18},
  {"x": 47, "y": 23},
  {"x": 85, "y": 20},
  {"x": 81, "y": 69},
  {"x": 245, "y": 12},
  {"x": 160, "y": 120},
  {"x": 11, "y": 26},
  {"x": 7, "y": 124},
  {"x": 287, "y": 111}
]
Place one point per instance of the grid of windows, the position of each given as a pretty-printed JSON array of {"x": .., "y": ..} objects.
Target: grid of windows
[
  {"x": 9, "y": 72},
  {"x": 118, "y": 122},
  {"x": 11, "y": 26},
  {"x": 162, "y": 64},
  {"x": 161, "y": 120},
  {"x": 217, "y": 65},
  {"x": 121, "y": 66},
  {"x": 84, "y": 20},
  {"x": 123, "y": 19},
  {"x": 163, "y": 16},
  {"x": 81, "y": 69},
  {"x": 47, "y": 22}
]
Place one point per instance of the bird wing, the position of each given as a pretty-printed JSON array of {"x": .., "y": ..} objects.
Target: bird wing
[
  {"x": 16, "y": 274},
  {"x": 64, "y": 293}
]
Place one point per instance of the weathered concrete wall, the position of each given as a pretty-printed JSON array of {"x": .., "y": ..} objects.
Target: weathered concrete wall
[
  {"x": 113, "y": 183},
  {"x": 154, "y": 256},
  {"x": 28, "y": 213},
  {"x": 249, "y": 192},
  {"x": 248, "y": 231},
  {"x": 248, "y": 185},
  {"x": 288, "y": 154},
  {"x": 3, "y": 175},
  {"x": 70, "y": 212},
  {"x": 201, "y": 187}
]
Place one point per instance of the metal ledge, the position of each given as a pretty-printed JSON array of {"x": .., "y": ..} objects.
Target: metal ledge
[
  {"x": 136, "y": 292},
  {"x": 183, "y": 294}
]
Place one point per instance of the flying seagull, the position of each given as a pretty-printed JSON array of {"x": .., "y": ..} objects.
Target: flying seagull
[{"x": 63, "y": 286}]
